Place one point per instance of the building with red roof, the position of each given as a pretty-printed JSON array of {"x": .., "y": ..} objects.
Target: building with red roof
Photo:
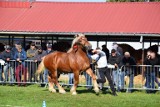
[{"x": 100, "y": 21}]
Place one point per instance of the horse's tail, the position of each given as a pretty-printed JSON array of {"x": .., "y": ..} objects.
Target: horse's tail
[{"x": 41, "y": 67}]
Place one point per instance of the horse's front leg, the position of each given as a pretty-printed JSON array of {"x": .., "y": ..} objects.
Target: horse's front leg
[
  {"x": 90, "y": 72},
  {"x": 76, "y": 81}
]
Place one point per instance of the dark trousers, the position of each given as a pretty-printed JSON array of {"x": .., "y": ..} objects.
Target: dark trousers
[{"x": 104, "y": 72}]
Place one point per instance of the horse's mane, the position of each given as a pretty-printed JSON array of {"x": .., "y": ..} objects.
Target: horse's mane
[
  {"x": 75, "y": 41},
  {"x": 77, "y": 38}
]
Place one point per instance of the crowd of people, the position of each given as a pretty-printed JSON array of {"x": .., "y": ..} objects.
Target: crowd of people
[
  {"x": 123, "y": 64},
  {"x": 21, "y": 65}
]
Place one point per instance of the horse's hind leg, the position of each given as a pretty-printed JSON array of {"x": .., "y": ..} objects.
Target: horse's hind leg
[
  {"x": 90, "y": 72},
  {"x": 76, "y": 81},
  {"x": 51, "y": 85}
]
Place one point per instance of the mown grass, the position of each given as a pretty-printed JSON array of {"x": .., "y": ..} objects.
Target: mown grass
[{"x": 33, "y": 96}]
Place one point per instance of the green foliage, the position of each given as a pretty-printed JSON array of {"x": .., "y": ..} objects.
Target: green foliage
[{"x": 33, "y": 96}]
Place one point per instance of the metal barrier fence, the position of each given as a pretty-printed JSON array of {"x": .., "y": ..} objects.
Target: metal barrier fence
[
  {"x": 127, "y": 77},
  {"x": 141, "y": 77}
]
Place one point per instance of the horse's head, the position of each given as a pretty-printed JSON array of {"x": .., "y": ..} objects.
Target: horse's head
[{"x": 81, "y": 39}]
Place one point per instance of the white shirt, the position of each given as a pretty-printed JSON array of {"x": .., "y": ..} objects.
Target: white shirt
[{"x": 102, "y": 62}]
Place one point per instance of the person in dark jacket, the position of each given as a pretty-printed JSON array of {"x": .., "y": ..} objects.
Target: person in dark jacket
[
  {"x": 30, "y": 61},
  {"x": 118, "y": 49},
  {"x": 38, "y": 58},
  {"x": 115, "y": 60},
  {"x": 8, "y": 66},
  {"x": 129, "y": 63},
  {"x": 102, "y": 67},
  {"x": 48, "y": 51},
  {"x": 20, "y": 56},
  {"x": 152, "y": 59}
]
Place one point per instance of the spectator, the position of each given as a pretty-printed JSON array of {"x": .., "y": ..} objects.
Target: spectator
[
  {"x": 100, "y": 58},
  {"x": 115, "y": 59},
  {"x": 1, "y": 63},
  {"x": 30, "y": 64},
  {"x": 129, "y": 68},
  {"x": 71, "y": 79},
  {"x": 20, "y": 56},
  {"x": 118, "y": 49},
  {"x": 48, "y": 51},
  {"x": 38, "y": 58},
  {"x": 88, "y": 77},
  {"x": 104, "y": 49},
  {"x": 14, "y": 49},
  {"x": 152, "y": 59},
  {"x": 7, "y": 55}
]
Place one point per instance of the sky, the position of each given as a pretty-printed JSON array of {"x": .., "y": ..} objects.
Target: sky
[{"x": 75, "y": 0}]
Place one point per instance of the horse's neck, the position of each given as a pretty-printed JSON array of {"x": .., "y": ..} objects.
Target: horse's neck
[{"x": 70, "y": 50}]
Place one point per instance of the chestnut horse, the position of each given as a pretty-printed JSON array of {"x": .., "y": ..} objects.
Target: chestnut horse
[{"x": 75, "y": 61}]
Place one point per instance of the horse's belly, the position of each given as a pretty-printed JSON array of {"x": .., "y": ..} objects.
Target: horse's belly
[{"x": 65, "y": 70}]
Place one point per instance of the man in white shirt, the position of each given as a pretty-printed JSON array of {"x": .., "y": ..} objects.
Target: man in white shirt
[{"x": 103, "y": 71}]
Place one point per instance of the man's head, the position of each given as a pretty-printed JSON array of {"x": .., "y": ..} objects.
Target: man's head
[
  {"x": 19, "y": 48},
  {"x": 94, "y": 51},
  {"x": 127, "y": 55},
  {"x": 104, "y": 46},
  {"x": 49, "y": 46},
  {"x": 152, "y": 52},
  {"x": 40, "y": 49},
  {"x": 7, "y": 48},
  {"x": 17, "y": 43},
  {"x": 113, "y": 52},
  {"x": 32, "y": 45}
]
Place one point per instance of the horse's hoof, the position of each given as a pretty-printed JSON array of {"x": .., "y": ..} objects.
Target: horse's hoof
[
  {"x": 62, "y": 91},
  {"x": 72, "y": 90},
  {"x": 96, "y": 90},
  {"x": 52, "y": 90},
  {"x": 74, "y": 93}
]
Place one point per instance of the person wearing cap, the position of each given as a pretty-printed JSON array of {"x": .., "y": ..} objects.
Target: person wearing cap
[
  {"x": 48, "y": 51},
  {"x": 30, "y": 62},
  {"x": 38, "y": 58},
  {"x": 103, "y": 71},
  {"x": 115, "y": 59},
  {"x": 129, "y": 68},
  {"x": 118, "y": 49},
  {"x": 20, "y": 57},
  {"x": 152, "y": 59},
  {"x": 14, "y": 48},
  {"x": 49, "y": 48},
  {"x": 7, "y": 56},
  {"x": 39, "y": 54},
  {"x": 31, "y": 52}
]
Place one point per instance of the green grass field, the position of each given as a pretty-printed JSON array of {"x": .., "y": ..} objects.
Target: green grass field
[{"x": 33, "y": 96}]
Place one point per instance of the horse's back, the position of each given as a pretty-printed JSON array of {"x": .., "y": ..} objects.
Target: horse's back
[{"x": 57, "y": 60}]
